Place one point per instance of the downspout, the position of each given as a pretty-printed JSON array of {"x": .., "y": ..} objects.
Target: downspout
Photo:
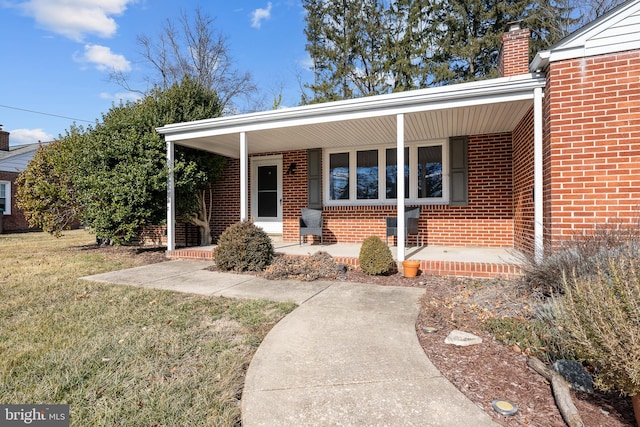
[
  {"x": 538, "y": 199},
  {"x": 400, "y": 185},
  {"x": 244, "y": 178},
  {"x": 171, "y": 197}
]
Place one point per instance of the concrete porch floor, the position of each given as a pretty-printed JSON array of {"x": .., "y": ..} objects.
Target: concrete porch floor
[{"x": 442, "y": 260}]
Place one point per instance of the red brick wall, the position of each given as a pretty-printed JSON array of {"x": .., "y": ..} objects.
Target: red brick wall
[
  {"x": 593, "y": 151},
  {"x": 486, "y": 221},
  {"x": 16, "y": 221},
  {"x": 226, "y": 196},
  {"x": 523, "y": 180}
]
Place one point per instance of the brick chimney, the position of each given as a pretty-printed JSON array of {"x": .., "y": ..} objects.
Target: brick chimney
[
  {"x": 4, "y": 140},
  {"x": 513, "y": 58}
]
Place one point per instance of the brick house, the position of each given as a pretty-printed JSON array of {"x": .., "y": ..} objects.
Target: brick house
[
  {"x": 548, "y": 149},
  {"x": 13, "y": 160}
]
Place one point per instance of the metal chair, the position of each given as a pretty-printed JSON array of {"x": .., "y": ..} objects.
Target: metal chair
[
  {"x": 411, "y": 217},
  {"x": 311, "y": 223}
]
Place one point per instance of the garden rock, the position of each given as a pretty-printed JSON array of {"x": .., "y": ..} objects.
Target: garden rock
[
  {"x": 575, "y": 374},
  {"x": 462, "y": 339}
]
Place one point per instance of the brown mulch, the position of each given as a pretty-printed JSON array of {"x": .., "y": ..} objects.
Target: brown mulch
[
  {"x": 483, "y": 372},
  {"x": 492, "y": 370}
]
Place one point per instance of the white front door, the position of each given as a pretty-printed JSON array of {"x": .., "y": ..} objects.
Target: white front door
[{"x": 266, "y": 193}]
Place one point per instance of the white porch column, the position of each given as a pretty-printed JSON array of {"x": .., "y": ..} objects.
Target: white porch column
[
  {"x": 244, "y": 178},
  {"x": 171, "y": 198},
  {"x": 538, "y": 200},
  {"x": 400, "y": 184}
]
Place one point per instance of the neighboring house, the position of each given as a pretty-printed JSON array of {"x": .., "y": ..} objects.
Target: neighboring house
[
  {"x": 13, "y": 160},
  {"x": 528, "y": 159}
]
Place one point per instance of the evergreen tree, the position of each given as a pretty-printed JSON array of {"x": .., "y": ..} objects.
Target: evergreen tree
[{"x": 370, "y": 47}]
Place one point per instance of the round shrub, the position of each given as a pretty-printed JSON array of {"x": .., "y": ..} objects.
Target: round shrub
[
  {"x": 243, "y": 247},
  {"x": 375, "y": 257}
]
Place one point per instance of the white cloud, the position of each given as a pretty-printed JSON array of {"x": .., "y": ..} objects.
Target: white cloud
[
  {"x": 121, "y": 96},
  {"x": 28, "y": 136},
  {"x": 260, "y": 15},
  {"x": 76, "y": 18},
  {"x": 104, "y": 59}
]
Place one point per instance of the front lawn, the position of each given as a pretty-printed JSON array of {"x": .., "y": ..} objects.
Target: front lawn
[{"x": 118, "y": 355}]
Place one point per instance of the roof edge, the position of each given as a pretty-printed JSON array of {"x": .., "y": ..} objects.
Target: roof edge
[{"x": 490, "y": 87}]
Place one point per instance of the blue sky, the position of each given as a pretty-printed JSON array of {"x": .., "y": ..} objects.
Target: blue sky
[{"x": 57, "y": 54}]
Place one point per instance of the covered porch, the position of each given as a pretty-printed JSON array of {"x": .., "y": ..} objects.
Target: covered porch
[
  {"x": 480, "y": 262},
  {"x": 484, "y": 138}
]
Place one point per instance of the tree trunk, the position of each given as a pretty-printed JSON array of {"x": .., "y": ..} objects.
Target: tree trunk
[
  {"x": 205, "y": 234},
  {"x": 635, "y": 401}
]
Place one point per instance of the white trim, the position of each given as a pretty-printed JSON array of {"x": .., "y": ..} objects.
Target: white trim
[
  {"x": 538, "y": 187},
  {"x": 400, "y": 186},
  {"x": 244, "y": 177},
  {"x": 7, "y": 195},
  {"x": 171, "y": 197},
  {"x": 269, "y": 225},
  {"x": 382, "y": 200}
]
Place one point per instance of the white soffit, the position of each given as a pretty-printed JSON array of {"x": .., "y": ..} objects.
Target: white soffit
[
  {"x": 483, "y": 107},
  {"x": 420, "y": 126}
]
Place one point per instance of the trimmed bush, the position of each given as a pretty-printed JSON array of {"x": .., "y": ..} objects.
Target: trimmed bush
[
  {"x": 243, "y": 247},
  {"x": 375, "y": 257},
  {"x": 601, "y": 317}
]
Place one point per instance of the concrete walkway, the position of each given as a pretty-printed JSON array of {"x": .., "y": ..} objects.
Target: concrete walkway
[{"x": 347, "y": 356}]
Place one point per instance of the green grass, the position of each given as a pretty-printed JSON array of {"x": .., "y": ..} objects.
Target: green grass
[{"x": 119, "y": 355}]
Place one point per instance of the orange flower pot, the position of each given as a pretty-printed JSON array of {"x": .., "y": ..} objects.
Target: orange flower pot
[{"x": 410, "y": 268}]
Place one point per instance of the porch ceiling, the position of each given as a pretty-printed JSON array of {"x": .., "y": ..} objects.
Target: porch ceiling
[
  {"x": 419, "y": 126},
  {"x": 481, "y": 107}
]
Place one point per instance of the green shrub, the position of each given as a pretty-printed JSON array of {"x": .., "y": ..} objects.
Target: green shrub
[
  {"x": 375, "y": 257},
  {"x": 601, "y": 317},
  {"x": 533, "y": 336},
  {"x": 243, "y": 247}
]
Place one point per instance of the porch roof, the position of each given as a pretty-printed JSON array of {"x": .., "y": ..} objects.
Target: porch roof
[{"x": 488, "y": 106}]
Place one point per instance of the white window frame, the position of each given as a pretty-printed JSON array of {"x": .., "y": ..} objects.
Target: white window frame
[
  {"x": 7, "y": 189},
  {"x": 382, "y": 200}
]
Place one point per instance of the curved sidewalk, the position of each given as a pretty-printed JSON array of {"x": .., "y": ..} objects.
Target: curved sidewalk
[{"x": 347, "y": 356}]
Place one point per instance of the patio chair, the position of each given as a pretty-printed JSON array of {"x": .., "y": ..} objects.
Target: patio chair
[
  {"x": 410, "y": 223},
  {"x": 311, "y": 223}
]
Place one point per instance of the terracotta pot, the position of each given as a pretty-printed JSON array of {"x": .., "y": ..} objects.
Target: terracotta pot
[{"x": 410, "y": 268}]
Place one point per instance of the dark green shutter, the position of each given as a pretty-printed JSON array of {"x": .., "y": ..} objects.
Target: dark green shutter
[
  {"x": 458, "y": 147},
  {"x": 314, "y": 178}
]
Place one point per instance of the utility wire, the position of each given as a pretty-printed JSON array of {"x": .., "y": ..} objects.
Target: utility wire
[{"x": 45, "y": 114}]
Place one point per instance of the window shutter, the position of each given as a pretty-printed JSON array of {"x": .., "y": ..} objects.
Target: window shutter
[
  {"x": 314, "y": 178},
  {"x": 459, "y": 171}
]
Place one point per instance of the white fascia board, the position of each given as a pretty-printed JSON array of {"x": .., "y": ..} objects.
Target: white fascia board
[
  {"x": 465, "y": 94},
  {"x": 540, "y": 62}
]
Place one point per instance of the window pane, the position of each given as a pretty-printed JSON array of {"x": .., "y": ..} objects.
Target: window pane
[
  {"x": 268, "y": 191},
  {"x": 339, "y": 176},
  {"x": 391, "y": 172},
  {"x": 3, "y": 200},
  {"x": 430, "y": 172},
  {"x": 268, "y": 204},
  {"x": 367, "y": 174}
]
